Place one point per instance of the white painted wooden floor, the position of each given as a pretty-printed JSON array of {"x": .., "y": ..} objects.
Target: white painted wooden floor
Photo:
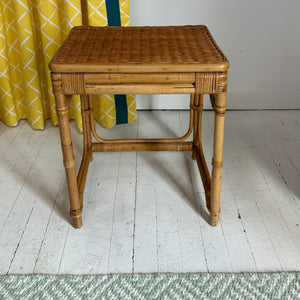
[{"x": 145, "y": 212}]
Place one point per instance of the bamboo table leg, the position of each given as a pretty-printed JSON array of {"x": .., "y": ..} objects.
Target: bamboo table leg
[
  {"x": 197, "y": 152},
  {"x": 197, "y": 108},
  {"x": 217, "y": 161},
  {"x": 87, "y": 156},
  {"x": 68, "y": 156}
]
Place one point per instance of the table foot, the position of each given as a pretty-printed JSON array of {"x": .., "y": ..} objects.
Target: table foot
[
  {"x": 76, "y": 216},
  {"x": 214, "y": 219}
]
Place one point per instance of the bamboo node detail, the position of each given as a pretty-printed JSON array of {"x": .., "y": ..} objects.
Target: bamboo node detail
[
  {"x": 75, "y": 213},
  {"x": 219, "y": 110},
  {"x": 69, "y": 164},
  {"x": 196, "y": 108},
  {"x": 217, "y": 164},
  {"x": 62, "y": 111},
  {"x": 87, "y": 112}
]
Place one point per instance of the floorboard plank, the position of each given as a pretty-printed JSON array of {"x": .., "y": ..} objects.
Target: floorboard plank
[
  {"x": 52, "y": 247},
  {"x": 59, "y": 223},
  {"x": 145, "y": 242},
  {"x": 16, "y": 163},
  {"x": 247, "y": 182},
  {"x": 92, "y": 244},
  {"x": 121, "y": 254},
  {"x": 284, "y": 204},
  {"x": 42, "y": 185},
  {"x": 19, "y": 186}
]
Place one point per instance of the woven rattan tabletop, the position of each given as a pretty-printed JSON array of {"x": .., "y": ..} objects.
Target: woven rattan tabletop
[{"x": 139, "y": 49}]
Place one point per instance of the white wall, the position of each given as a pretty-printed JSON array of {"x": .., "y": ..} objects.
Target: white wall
[{"x": 261, "y": 39}]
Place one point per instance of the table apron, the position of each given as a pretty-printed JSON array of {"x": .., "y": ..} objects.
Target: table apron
[
  {"x": 112, "y": 78},
  {"x": 155, "y": 83},
  {"x": 139, "y": 88}
]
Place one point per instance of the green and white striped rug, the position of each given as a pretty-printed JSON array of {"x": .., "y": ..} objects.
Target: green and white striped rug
[{"x": 152, "y": 286}]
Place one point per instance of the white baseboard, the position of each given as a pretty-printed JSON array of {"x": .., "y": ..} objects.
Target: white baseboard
[{"x": 235, "y": 100}]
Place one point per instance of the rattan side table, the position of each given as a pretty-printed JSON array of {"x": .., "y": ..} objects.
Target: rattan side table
[{"x": 140, "y": 60}]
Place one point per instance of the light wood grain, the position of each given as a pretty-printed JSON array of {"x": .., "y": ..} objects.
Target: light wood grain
[
  {"x": 139, "y": 88},
  {"x": 113, "y": 78}
]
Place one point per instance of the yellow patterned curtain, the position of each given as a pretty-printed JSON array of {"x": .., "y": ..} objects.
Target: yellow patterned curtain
[{"x": 31, "y": 31}]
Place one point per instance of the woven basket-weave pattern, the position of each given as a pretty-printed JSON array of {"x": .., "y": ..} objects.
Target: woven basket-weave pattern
[{"x": 140, "y": 45}]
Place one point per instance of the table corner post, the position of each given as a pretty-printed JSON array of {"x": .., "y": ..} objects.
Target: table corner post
[
  {"x": 217, "y": 160},
  {"x": 67, "y": 147}
]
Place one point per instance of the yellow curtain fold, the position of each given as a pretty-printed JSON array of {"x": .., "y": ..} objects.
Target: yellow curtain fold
[{"x": 30, "y": 34}]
